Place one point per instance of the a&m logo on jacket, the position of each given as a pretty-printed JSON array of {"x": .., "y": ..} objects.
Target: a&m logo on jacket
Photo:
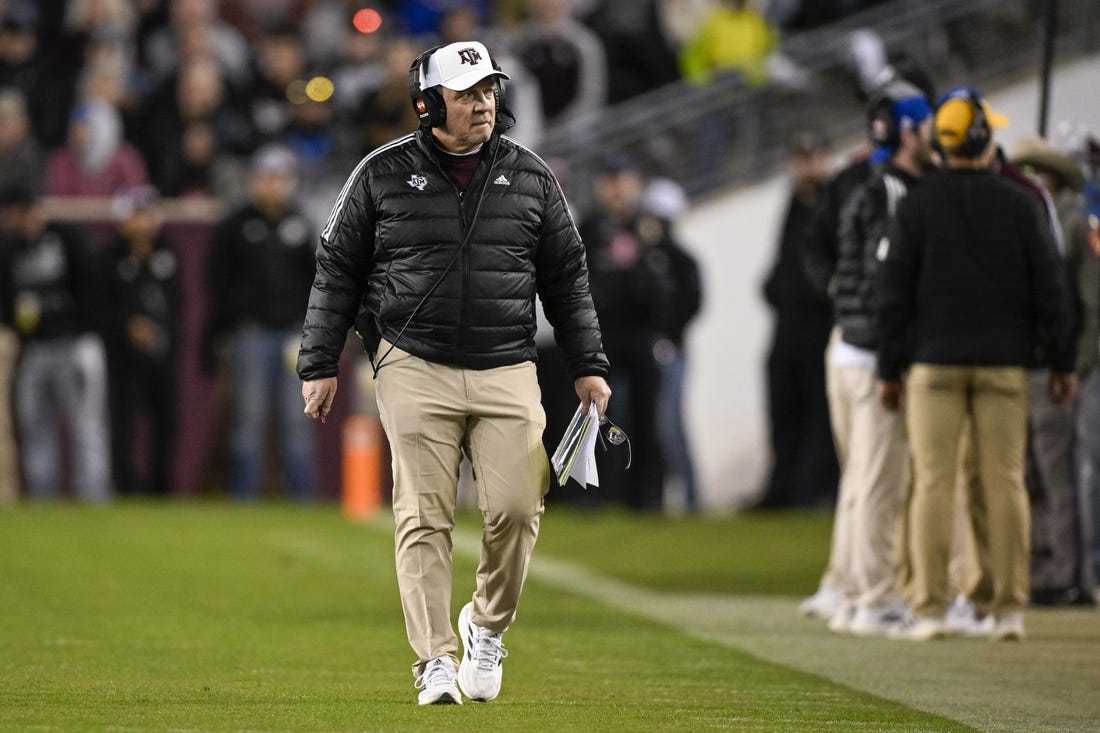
[{"x": 418, "y": 182}]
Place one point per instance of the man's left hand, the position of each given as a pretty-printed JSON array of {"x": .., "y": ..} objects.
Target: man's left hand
[{"x": 593, "y": 389}]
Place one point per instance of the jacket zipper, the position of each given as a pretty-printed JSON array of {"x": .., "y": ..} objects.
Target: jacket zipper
[{"x": 464, "y": 263}]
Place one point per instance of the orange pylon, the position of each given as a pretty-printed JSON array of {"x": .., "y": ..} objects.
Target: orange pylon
[{"x": 361, "y": 494}]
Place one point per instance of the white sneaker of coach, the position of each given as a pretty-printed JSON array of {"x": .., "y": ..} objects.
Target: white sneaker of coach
[
  {"x": 437, "y": 683},
  {"x": 480, "y": 673}
]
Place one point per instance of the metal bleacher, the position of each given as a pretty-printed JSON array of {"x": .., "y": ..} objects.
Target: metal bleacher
[{"x": 724, "y": 134}]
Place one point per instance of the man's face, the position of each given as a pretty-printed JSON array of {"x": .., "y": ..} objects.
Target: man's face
[
  {"x": 919, "y": 142},
  {"x": 810, "y": 167},
  {"x": 619, "y": 192},
  {"x": 142, "y": 224},
  {"x": 23, "y": 220},
  {"x": 471, "y": 115},
  {"x": 270, "y": 189}
]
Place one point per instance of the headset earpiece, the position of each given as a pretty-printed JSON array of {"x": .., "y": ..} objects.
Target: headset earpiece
[
  {"x": 428, "y": 103},
  {"x": 503, "y": 111},
  {"x": 977, "y": 134},
  {"x": 882, "y": 129}
]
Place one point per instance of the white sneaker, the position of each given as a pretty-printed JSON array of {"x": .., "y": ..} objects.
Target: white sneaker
[
  {"x": 962, "y": 619},
  {"x": 918, "y": 628},
  {"x": 1009, "y": 627},
  {"x": 878, "y": 621},
  {"x": 961, "y": 615},
  {"x": 982, "y": 628},
  {"x": 437, "y": 683},
  {"x": 822, "y": 604},
  {"x": 841, "y": 622},
  {"x": 479, "y": 674}
]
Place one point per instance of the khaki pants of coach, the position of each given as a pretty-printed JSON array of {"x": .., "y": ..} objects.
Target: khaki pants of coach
[
  {"x": 940, "y": 401},
  {"x": 874, "y": 483},
  {"x": 432, "y": 414}
]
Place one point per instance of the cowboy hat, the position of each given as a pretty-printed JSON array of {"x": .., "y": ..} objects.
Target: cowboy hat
[{"x": 1036, "y": 152}]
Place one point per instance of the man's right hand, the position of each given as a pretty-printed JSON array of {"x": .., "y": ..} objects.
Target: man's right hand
[
  {"x": 319, "y": 394},
  {"x": 891, "y": 395},
  {"x": 1062, "y": 387}
]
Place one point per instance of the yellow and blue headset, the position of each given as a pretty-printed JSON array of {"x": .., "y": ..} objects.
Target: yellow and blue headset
[{"x": 978, "y": 132}]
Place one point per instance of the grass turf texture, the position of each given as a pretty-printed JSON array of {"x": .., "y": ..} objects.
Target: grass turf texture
[{"x": 228, "y": 617}]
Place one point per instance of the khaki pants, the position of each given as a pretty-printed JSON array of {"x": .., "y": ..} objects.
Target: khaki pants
[
  {"x": 940, "y": 401},
  {"x": 967, "y": 568},
  {"x": 874, "y": 465},
  {"x": 432, "y": 414},
  {"x": 1051, "y": 474},
  {"x": 9, "y": 450}
]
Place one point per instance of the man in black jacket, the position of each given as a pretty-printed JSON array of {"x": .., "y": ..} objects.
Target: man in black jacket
[
  {"x": 258, "y": 278},
  {"x": 633, "y": 296},
  {"x": 970, "y": 280},
  {"x": 871, "y": 440},
  {"x": 140, "y": 283},
  {"x": 61, "y": 379},
  {"x": 804, "y": 467},
  {"x": 436, "y": 249}
]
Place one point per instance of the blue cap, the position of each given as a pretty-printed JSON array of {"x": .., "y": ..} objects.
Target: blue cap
[
  {"x": 908, "y": 113},
  {"x": 911, "y": 111}
]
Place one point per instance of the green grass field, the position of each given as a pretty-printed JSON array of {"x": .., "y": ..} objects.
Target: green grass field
[{"x": 214, "y": 617}]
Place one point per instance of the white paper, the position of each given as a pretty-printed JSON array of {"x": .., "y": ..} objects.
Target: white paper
[
  {"x": 584, "y": 471},
  {"x": 575, "y": 456}
]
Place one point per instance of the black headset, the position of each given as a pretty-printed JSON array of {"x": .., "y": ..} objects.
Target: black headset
[
  {"x": 882, "y": 128},
  {"x": 977, "y": 135},
  {"x": 429, "y": 104}
]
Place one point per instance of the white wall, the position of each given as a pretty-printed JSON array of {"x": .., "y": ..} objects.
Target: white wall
[{"x": 734, "y": 236}]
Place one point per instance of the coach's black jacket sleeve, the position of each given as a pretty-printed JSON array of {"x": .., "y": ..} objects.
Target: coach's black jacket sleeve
[{"x": 343, "y": 262}]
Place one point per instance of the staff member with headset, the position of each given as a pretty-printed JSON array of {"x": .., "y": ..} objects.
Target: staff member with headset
[
  {"x": 970, "y": 279},
  {"x": 435, "y": 249}
]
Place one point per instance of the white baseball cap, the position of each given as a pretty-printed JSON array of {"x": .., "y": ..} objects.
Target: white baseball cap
[{"x": 459, "y": 66}]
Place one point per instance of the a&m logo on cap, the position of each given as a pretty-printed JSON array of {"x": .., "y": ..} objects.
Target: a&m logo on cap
[{"x": 470, "y": 56}]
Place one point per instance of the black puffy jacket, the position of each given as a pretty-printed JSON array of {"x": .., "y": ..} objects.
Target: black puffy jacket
[
  {"x": 450, "y": 277},
  {"x": 972, "y": 276},
  {"x": 864, "y": 221}
]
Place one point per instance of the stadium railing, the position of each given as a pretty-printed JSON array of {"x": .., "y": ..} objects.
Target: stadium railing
[{"x": 722, "y": 134}]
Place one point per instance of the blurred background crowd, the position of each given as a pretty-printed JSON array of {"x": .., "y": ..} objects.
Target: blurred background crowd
[{"x": 165, "y": 164}]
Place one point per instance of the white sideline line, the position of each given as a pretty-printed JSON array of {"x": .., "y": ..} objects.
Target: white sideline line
[{"x": 995, "y": 687}]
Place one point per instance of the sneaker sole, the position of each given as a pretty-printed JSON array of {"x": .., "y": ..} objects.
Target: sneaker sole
[{"x": 446, "y": 697}]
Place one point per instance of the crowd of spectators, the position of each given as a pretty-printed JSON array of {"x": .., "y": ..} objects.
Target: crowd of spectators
[
  {"x": 175, "y": 91},
  {"x": 127, "y": 103}
]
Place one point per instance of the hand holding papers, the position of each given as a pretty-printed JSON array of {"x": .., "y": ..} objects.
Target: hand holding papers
[{"x": 575, "y": 456}]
